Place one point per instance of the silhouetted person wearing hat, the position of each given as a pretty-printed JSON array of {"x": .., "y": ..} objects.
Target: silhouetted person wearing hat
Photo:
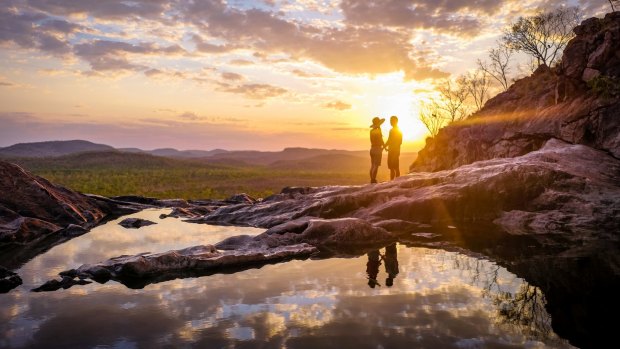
[
  {"x": 376, "y": 148},
  {"x": 372, "y": 268},
  {"x": 395, "y": 139}
]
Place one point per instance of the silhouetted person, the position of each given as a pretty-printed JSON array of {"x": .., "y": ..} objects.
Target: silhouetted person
[
  {"x": 395, "y": 139},
  {"x": 391, "y": 264},
  {"x": 372, "y": 268},
  {"x": 376, "y": 148}
]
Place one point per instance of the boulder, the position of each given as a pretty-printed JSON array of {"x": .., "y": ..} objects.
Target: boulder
[
  {"x": 36, "y": 214},
  {"x": 31, "y": 207},
  {"x": 135, "y": 223},
  {"x": 8, "y": 280},
  {"x": 325, "y": 234},
  {"x": 142, "y": 269}
]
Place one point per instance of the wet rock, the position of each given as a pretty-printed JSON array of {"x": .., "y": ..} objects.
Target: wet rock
[
  {"x": 193, "y": 211},
  {"x": 562, "y": 188},
  {"x": 343, "y": 233},
  {"x": 8, "y": 280},
  {"x": 398, "y": 225},
  {"x": 242, "y": 198},
  {"x": 64, "y": 283},
  {"x": 135, "y": 223},
  {"x": 151, "y": 202},
  {"x": 26, "y": 229},
  {"x": 145, "y": 268},
  {"x": 36, "y": 214},
  {"x": 73, "y": 230},
  {"x": 31, "y": 207}
]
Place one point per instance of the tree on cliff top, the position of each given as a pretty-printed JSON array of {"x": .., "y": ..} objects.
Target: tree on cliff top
[
  {"x": 544, "y": 35},
  {"x": 613, "y": 4}
]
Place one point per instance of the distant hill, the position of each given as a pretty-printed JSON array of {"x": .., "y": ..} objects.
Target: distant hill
[
  {"x": 266, "y": 158},
  {"x": 51, "y": 148},
  {"x": 174, "y": 153},
  {"x": 337, "y": 162},
  {"x": 81, "y": 154},
  {"x": 108, "y": 160}
]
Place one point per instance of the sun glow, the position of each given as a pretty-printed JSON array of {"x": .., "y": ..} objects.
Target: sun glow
[
  {"x": 386, "y": 96},
  {"x": 406, "y": 108}
]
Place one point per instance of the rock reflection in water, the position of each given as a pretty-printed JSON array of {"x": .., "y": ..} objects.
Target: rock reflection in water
[{"x": 438, "y": 299}]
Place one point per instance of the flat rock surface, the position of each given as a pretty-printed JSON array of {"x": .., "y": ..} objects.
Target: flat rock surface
[
  {"x": 139, "y": 270},
  {"x": 562, "y": 188}
]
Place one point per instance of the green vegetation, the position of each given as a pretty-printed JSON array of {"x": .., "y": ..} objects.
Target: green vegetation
[
  {"x": 605, "y": 86},
  {"x": 115, "y": 173}
]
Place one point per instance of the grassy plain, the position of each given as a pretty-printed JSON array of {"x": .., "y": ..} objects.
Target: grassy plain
[{"x": 114, "y": 173}]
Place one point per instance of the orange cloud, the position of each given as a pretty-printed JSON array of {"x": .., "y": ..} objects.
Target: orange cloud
[{"x": 338, "y": 105}]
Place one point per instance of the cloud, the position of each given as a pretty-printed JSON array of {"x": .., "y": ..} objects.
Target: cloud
[
  {"x": 367, "y": 37},
  {"x": 338, "y": 105},
  {"x": 61, "y": 26},
  {"x": 4, "y": 83},
  {"x": 159, "y": 73},
  {"x": 104, "y": 55},
  {"x": 189, "y": 116},
  {"x": 34, "y": 31},
  {"x": 361, "y": 46},
  {"x": 241, "y": 62},
  {"x": 305, "y": 74},
  {"x": 205, "y": 47},
  {"x": 108, "y": 9},
  {"x": 350, "y": 50},
  {"x": 255, "y": 91},
  {"x": 452, "y": 17},
  {"x": 232, "y": 76}
]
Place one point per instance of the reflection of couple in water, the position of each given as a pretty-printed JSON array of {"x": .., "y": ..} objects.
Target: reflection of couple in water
[{"x": 374, "y": 262}]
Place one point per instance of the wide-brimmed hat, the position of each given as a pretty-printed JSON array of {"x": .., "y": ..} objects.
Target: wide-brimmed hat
[{"x": 377, "y": 122}]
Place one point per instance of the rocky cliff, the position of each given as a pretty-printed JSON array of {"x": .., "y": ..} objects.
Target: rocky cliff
[
  {"x": 577, "y": 101},
  {"x": 36, "y": 214}
]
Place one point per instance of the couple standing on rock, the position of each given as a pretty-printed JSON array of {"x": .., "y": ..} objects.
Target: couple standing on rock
[{"x": 392, "y": 146}]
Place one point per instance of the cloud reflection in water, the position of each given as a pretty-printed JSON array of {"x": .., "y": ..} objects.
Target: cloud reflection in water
[{"x": 438, "y": 299}]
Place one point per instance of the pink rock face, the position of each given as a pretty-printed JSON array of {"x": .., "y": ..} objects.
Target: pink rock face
[
  {"x": 551, "y": 103},
  {"x": 33, "y": 207},
  {"x": 589, "y": 74},
  {"x": 575, "y": 182}
]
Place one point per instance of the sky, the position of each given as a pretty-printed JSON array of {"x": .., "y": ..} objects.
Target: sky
[{"x": 264, "y": 75}]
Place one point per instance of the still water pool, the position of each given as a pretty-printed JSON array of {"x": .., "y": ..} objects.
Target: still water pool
[{"x": 395, "y": 297}]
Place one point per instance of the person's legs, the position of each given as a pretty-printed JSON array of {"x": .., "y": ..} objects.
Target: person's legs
[
  {"x": 393, "y": 164},
  {"x": 375, "y": 161},
  {"x": 373, "y": 173}
]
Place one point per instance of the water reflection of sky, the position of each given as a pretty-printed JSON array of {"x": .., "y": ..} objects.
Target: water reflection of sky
[{"x": 439, "y": 299}]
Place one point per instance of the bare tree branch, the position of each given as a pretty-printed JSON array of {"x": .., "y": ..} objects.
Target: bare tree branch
[
  {"x": 431, "y": 116},
  {"x": 453, "y": 96},
  {"x": 498, "y": 67},
  {"x": 477, "y": 85},
  {"x": 544, "y": 35}
]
